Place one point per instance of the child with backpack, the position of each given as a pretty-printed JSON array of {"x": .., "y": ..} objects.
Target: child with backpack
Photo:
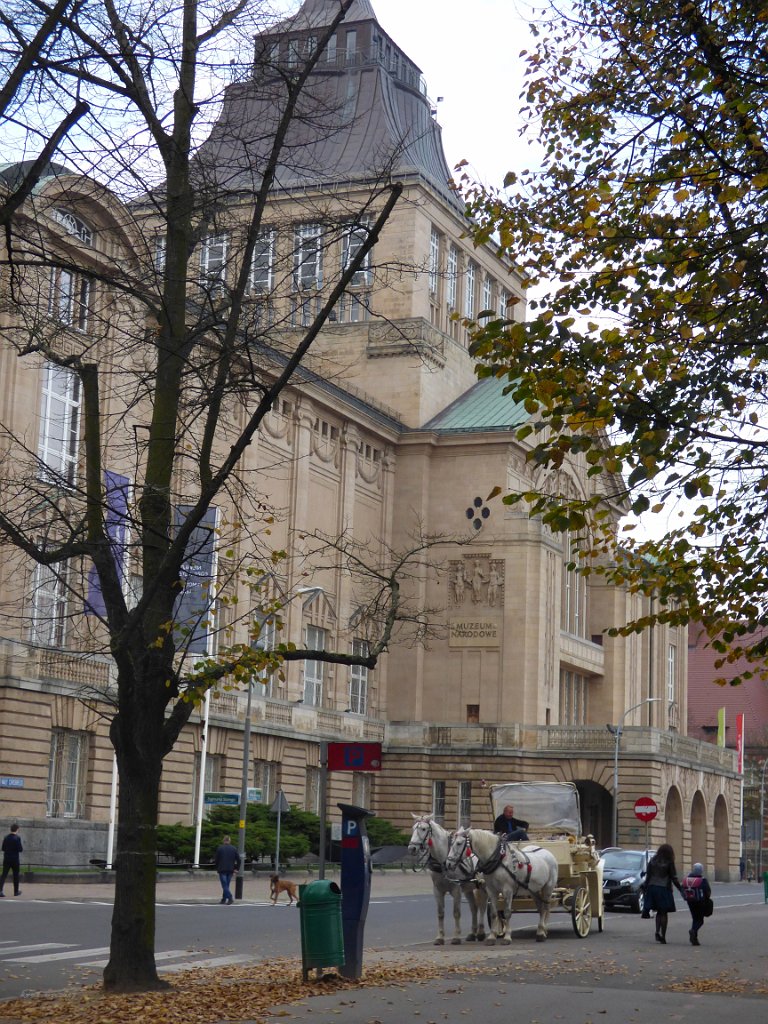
[{"x": 698, "y": 895}]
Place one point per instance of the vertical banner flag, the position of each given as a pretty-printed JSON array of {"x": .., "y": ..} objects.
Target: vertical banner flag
[
  {"x": 117, "y": 495},
  {"x": 193, "y": 606},
  {"x": 740, "y": 743},
  {"x": 721, "y": 727}
]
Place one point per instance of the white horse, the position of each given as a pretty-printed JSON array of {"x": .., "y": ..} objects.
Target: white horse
[
  {"x": 507, "y": 869},
  {"x": 430, "y": 844}
]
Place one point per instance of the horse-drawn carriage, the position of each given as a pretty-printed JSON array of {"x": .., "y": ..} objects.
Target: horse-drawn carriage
[
  {"x": 554, "y": 867},
  {"x": 554, "y": 824}
]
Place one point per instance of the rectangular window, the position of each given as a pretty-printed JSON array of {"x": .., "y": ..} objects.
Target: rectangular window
[
  {"x": 465, "y": 804},
  {"x": 213, "y": 262},
  {"x": 59, "y": 425},
  {"x": 487, "y": 294},
  {"x": 351, "y": 45},
  {"x": 49, "y": 605},
  {"x": 330, "y": 50},
  {"x": 263, "y": 263},
  {"x": 573, "y": 618},
  {"x": 304, "y": 310},
  {"x": 434, "y": 260},
  {"x": 294, "y": 51},
  {"x": 354, "y": 307},
  {"x": 69, "y": 298},
  {"x": 469, "y": 295},
  {"x": 503, "y": 302},
  {"x": 67, "y": 774},
  {"x": 438, "y": 801},
  {"x": 352, "y": 242},
  {"x": 362, "y": 789},
  {"x": 671, "y": 673},
  {"x": 312, "y": 791},
  {"x": 212, "y": 783},
  {"x": 308, "y": 257},
  {"x": 574, "y": 702},
  {"x": 266, "y": 641},
  {"x": 266, "y": 776},
  {"x": 452, "y": 277},
  {"x": 358, "y": 680},
  {"x": 159, "y": 252},
  {"x": 313, "y": 670}
]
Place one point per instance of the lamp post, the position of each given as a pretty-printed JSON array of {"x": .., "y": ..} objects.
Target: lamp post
[
  {"x": 762, "y": 822},
  {"x": 616, "y": 731}
]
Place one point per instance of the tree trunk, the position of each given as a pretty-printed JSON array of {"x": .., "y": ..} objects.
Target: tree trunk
[{"x": 131, "y": 964}]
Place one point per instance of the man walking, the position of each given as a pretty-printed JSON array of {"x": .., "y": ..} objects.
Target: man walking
[
  {"x": 227, "y": 863},
  {"x": 11, "y": 849}
]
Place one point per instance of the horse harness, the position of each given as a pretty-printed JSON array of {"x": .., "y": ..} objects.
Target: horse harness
[{"x": 522, "y": 862}]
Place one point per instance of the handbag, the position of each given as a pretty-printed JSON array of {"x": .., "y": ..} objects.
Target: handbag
[{"x": 707, "y": 907}]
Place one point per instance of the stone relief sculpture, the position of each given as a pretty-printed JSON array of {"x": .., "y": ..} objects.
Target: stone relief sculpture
[{"x": 478, "y": 580}]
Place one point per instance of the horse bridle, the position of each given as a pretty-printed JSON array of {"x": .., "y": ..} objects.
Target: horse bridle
[{"x": 427, "y": 858}]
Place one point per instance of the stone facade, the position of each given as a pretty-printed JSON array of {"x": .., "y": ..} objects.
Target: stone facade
[{"x": 514, "y": 678}]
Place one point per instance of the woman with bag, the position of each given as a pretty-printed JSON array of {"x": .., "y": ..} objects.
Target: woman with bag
[
  {"x": 659, "y": 879},
  {"x": 698, "y": 895}
]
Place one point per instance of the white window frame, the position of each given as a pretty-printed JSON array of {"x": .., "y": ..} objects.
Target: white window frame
[
  {"x": 308, "y": 257},
  {"x": 503, "y": 302},
  {"x": 69, "y": 298},
  {"x": 671, "y": 673},
  {"x": 159, "y": 251},
  {"x": 464, "y": 804},
  {"x": 213, "y": 261},
  {"x": 434, "y": 260},
  {"x": 58, "y": 446},
  {"x": 358, "y": 680},
  {"x": 49, "y": 605},
  {"x": 261, "y": 278},
  {"x": 316, "y": 638},
  {"x": 304, "y": 309},
  {"x": 265, "y": 778},
  {"x": 67, "y": 774},
  {"x": 73, "y": 225},
  {"x": 487, "y": 293},
  {"x": 452, "y": 276},
  {"x": 438, "y": 800},
  {"x": 469, "y": 290},
  {"x": 353, "y": 239}
]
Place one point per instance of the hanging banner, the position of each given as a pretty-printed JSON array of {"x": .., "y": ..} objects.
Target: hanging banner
[
  {"x": 117, "y": 495},
  {"x": 740, "y": 743},
  {"x": 193, "y": 608},
  {"x": 721, "y": 727}
]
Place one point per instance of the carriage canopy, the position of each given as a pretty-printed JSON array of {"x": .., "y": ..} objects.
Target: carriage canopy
[{"x": 546, "y": 806}]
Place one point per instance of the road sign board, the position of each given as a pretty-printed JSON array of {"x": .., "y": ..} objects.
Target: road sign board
[
  {"x": 253, "y": 795},
  {"x": 280, "y": 805},
  {"x": 354, "y": 757},
  {"x": 222, "y": 799},
  {"x": 645, "y": 808}
]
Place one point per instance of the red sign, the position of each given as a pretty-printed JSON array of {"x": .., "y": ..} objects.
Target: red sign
[
  {"x": 645, "y": 808},
  {"x": 354, "y": 757}
]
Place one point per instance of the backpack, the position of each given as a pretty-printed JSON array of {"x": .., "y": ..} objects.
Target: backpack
[{"x": 692, "y": 888}]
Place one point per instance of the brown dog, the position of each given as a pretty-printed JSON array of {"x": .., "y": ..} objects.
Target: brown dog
[{"x": 278, "y": 885}]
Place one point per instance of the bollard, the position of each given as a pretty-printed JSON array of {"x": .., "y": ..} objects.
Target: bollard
[{"x": 765, "y": 886}]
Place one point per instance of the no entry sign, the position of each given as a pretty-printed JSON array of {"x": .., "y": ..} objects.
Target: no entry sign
[{"x": 645, "y": 808}]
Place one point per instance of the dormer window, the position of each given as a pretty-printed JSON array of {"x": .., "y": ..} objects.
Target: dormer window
[{"x": 73, "y": 225}]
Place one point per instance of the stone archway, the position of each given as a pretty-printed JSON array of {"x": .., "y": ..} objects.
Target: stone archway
[
  {"x": 724, "y": 871},
  {"x": 698, "y": 831},
  {"x": 673, "y": 822}
]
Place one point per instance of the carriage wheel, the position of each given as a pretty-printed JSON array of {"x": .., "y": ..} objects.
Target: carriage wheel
[{"x": 581, "y": 912}]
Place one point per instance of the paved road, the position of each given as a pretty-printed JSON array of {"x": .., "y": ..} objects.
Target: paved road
[{"x": 618, "y": 977}]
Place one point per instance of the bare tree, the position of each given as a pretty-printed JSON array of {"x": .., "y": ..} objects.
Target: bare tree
[{"x": 169, "y": 353}]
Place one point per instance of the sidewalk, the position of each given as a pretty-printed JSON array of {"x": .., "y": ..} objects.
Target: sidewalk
[{"x": 203, "y": 886}]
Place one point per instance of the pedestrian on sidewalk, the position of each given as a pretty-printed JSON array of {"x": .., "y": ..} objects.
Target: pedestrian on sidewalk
[
  {"x": 697, "y": 893},
  {"x": 12, "y": 848},
  {"x": 659, "y": 879},
  {"x": 227, "y": 863}
]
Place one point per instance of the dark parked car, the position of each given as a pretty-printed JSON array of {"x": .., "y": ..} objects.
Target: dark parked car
[{"x": 623, "y": 874}]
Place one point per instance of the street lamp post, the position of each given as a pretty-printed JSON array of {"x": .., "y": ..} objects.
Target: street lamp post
[
  {"x": 616, "y": 731},
  {"x": 762, "y": 822}
]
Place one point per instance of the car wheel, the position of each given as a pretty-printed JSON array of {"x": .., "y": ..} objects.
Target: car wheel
[{"x": 637, "y": 906}]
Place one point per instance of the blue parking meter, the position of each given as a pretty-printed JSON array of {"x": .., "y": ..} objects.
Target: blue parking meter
[{"x": 355, "y": 885}]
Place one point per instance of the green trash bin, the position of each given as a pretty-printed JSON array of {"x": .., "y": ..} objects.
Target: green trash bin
[
  {"x": 765, "y": 886},
  {"x": 322, "y": 933}
]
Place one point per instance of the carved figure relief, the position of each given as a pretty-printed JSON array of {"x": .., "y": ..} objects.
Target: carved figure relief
[{"x": 477, "y": 580}]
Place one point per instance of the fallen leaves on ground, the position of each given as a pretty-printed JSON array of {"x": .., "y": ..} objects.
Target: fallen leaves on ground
[
  {"x": 203, "y": 996},
  {"x": 727, "y": 983}
]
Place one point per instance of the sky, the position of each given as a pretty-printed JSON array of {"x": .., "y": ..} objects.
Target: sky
[{"x": 469, "y": 54}]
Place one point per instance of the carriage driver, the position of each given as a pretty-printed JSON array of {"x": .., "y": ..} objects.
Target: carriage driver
[{"x": 509, "y": 826}]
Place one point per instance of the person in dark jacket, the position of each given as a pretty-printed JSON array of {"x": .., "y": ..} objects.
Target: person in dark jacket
[
  {"x": 659, "y": 879},
  {"x": 227, "y": 863},
  {"x": 509, "y": 826},
  {"x": 696, "y": 892},
  {"x": 11, "y": 849}
]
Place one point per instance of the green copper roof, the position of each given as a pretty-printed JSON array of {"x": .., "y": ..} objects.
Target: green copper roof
[{"x": 483, "y": 407}]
